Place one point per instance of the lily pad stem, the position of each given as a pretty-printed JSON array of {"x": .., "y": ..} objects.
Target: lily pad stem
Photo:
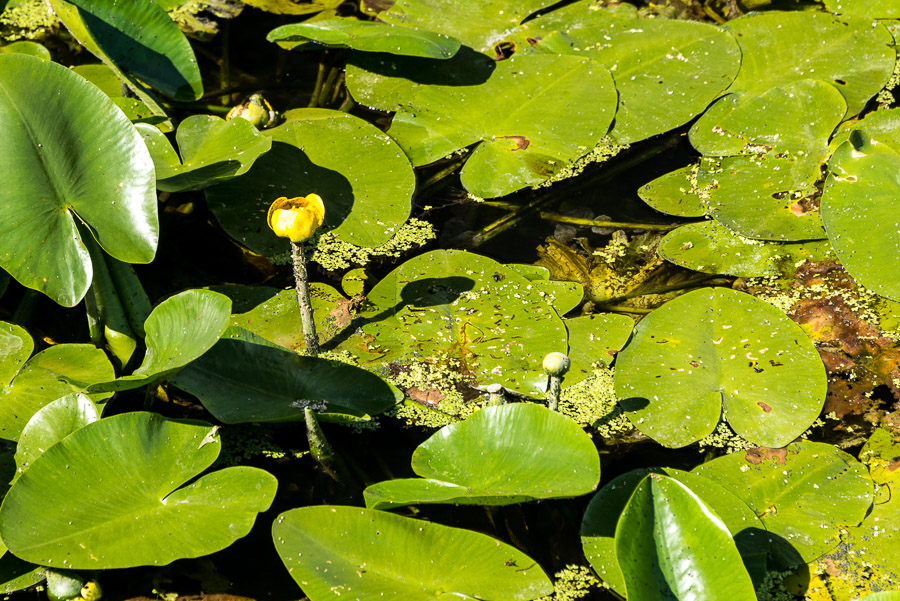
[
  {"x": 301, "y": 280},
  {"x": 553, "y": 392},
  {"x": 322, "y": 451}
]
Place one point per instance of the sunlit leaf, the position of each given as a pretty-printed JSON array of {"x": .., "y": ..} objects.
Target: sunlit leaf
[
  {"x": 114, "y": 494},
  {"x": 714, "y": 353},
  {"x": 363, "y": 550},
  {"x": 499, "y": 456}
]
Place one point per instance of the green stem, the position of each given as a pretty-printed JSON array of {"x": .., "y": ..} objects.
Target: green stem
[
  {"x": 437, "y": 176},
  {"x": 322, "y": 451},
  {"x": 320, "y": 78},
  {"x": 553, "y": 392},
  {"x": 709, "y": 280},
  {"x": 619, "y": 225},
  {"x": 197, "y": 106},
  {"x": 301, "y": 280}
]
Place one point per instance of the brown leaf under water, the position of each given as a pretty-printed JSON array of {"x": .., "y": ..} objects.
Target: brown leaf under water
[{"x": 758, "y": 455}]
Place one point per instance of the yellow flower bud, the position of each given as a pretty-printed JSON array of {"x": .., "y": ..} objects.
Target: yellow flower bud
[{"x": 296, "y": 218}]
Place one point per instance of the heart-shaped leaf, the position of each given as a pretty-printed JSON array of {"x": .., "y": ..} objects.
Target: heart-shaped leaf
[
  {"x": 671, "y": 545},
  {"x": 365, "y": 36},
  {"x": 376, "y": 555},
  {"x": 178, "y": 330},
  {"x": 212, "y": 150},
  {"x": 594, "y": 339},
  {"x": 808, "y": 493},
  {"x": 74, "y": 158},
  {"x": 498, "y": 456},
  {"x": 717, "y": 353},
  {"x": 113, "y": 495}
]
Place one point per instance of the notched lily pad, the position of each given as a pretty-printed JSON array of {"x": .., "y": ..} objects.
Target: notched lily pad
[
  {"x": 69, "y": 507},
  {"x": 595, "y": 339},
  {"x": 807, "y": 493},
  {"x": 366, "y": 36},
  {"x": 364, "y": 547},
  {"x": 211, "y": 148},
  {"x": 676, "y": 193},
  {"x": 499, "y": 456},
  {"x": 715, "y": 353},
  {"x": 465, "y": 307}
]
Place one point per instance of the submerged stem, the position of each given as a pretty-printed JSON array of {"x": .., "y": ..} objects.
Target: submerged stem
[
  {"x": 620, "y": 225},
  {"x": 301, "y": 280}
]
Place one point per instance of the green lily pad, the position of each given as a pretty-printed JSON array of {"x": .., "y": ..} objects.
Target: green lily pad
[
  {"x": 292, "y": 7},
  {"x": 714, "y": 353},
  {"x": 240, "y": 381},
  {"x": 136, "y": 37},
  {"x": 598, "y": 528},
  {"x": 807, "y": 493},
  {"x": 466, "y": 307},
  {"x": 365, "y": 36},
  {"x": 870, "y": 9},
  {"x": 52, "y": 423},
  {"x": 594, "y": 339},
  {"x": 70, "y": 507},
  {"x": 499, "y": 456},
  {"x": 212, "y": 150},
  {"x": 522, "y": 142},
  {"x": 710, "y": 247},
  {"x": 797, "y": 116},
  {"x": 854, "y": 55},
  {"x": 666, "y": 71},
  {"x": 178, "y": 330},
  {"x": 873, "y": 547},
  {"x": 362, "y": 175},
  {"x": 665, "y": 531},
  {"x": 564, "y": 296},
  {"x": 477, "y": 24},
  {"x": 26, "y": 47},
  {"x": 676, "y": 193},
  {"x": 762, "y": 196},
  {"x": 16, "y": 575},
  {"x": 30, "y": 384},
  {"x": 274, "y": 314},
  {"x": 860, "y": 217},
  {"x": 76, "y": 159},
  {"x": 373, "y": 554}
]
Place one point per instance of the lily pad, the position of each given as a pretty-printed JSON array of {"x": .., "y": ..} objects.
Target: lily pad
[
  {"x": 710, "y": 247},
  {"x": 26, "y": 47},
  {"x": 240, "y": 381},
  {"x": 70, "y": 507},
  {"x": 475, "y": 23},
  {"x": 51, "y": 424},
  {"x": 807, "y": 493},
  {"x": 666, "y": 531},
  {"x": 30, "y": 384},
  {"x": 853, "y": 54},
  {"x": 524, "y": 141},
  {"x": 714, "y": 353},
  {"x": 860, "y": 217},
  {"x": 365, "y": 36},
  {"x": 870, "y": 9},
  {"x": 212, "y": 150},
  {"x": 376, "y": 555},
  {"x": 362, "y": 175},
  {"x": 136, "y": 37},
  {"x": 466, "y": 307},
  {"x": 598, "y": 527},
  {"x": 76, "y": 159},
  {"x": 764, "y": 196},
  {"x": 499, "y": 456},
  {"x": 178, "y": 330},
  {"x": 274, "y": 314},
  {"x": 676, "y": 193},
  {"x": 666, "y": 71},
  {"x": 595, "y": 339}
]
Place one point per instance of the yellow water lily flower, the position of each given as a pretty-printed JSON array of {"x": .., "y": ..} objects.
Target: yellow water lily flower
[{"x": 296, "y": 218}]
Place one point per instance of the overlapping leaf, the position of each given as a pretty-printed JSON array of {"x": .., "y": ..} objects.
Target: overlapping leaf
[
  {"x": 498, "y": 456},
  {"x": 72, "y": 158}
]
